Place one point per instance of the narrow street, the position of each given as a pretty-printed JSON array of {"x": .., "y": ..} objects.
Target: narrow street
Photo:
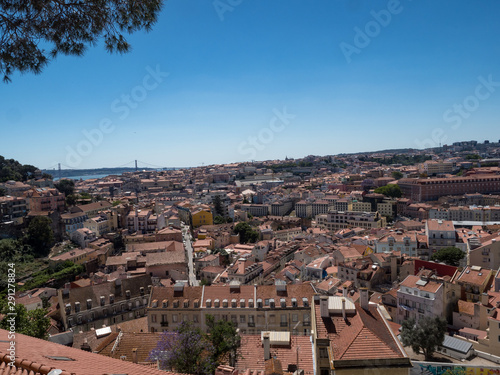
[{"x": 186, "y": 237}]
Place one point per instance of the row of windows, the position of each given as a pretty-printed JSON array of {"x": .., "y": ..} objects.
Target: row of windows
[{"x": 284, "y": 318}]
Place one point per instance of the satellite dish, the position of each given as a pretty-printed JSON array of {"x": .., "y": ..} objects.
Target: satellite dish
[{"x": 55, "y": 372}]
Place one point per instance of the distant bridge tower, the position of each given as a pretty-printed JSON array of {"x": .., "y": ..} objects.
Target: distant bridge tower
[
  {"x": 59, "y": 169},
  {"x": 136, "y": 165}
]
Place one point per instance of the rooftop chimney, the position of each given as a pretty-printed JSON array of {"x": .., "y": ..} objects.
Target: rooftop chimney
[
  {"x": 267, "y": 345},
  {"x": 323, "y": 305},
  {"x": 134, "y": 355},
  {"x": 364, "y": 300},
  {"x": 344, "y": 291},
  {"x": 343, "y": 308}
]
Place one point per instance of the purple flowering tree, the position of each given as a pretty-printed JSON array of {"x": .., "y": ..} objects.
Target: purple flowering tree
[{"x": 185, "y": 351}]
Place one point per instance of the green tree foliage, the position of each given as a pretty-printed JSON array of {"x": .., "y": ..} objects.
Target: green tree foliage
[
  {"x": 66, "y": 186},
  {"x": 449, "y": 255},
  {"x": 11, "y": 169},
  {"x": 60, "y": 275},
  {"x": 39, "y": 235},
  {"x": 32, "y": 323},
  {"x": 35, "y": 31},
  {"x": 223, "y": 338},
  {"x": 426, "y": 335},
  {"x": 218, "y": 207},
  {"x": 247, "y": 234},
  {"x": 391, "y": 190},
  {"x": 186, "y": 351},
  {"x": 473, "y": 157},
  {"x": 397, "y": 175},
  {"x": 219, "y": 220}
]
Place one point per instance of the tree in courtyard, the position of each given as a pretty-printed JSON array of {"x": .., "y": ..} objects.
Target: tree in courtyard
[
  {"x": 247, "y": 234},
  {"x": 449, "y": 255},
  {"x": 39, "y": 235},
  {"x": 224, "y": 339},
  {"x": 33, "y": 323},
  {"x": 32, "y": 32},
  {"x": 218, "y": 207},
  {"x": 185, "y": 350},
  {"x": 66, "y": 186},
  {"x": 426, "y": 335},
  {"x": 391, "y": 190},
  {"x": 397, "y": 175}
]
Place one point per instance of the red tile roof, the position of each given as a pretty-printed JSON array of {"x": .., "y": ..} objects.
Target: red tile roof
[
  {"x": 252, "y": 354},
  {"x": 362, "y": 336},
  {"x": 36, "y": 357}
]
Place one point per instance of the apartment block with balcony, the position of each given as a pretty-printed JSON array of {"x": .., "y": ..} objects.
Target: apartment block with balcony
[
  {"x": 106, "y": 303},
  {"x": 411, "y": 243},
  {"x": 44, "y": 199},
  {"x": 487, "y": 255},
  {"x": 137, "y": 221},
  {"x": 253, "y": 308},
  {"x": 418, "y": 297},
  {"x": 12, "y": 209},
  {"x": 73, "y": 221},
  {"x": 440, "y": 234},
  {"x": 475, "y": 282}
]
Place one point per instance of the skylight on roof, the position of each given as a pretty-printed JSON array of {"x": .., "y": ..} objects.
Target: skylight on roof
[{"x": 59, "y": 358}]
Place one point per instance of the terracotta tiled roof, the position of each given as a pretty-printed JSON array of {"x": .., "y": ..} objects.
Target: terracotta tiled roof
[
  {"x": 142, "y": 342},
  {"x": 471, "y": 276},
  {"x": 411, "y": 282},
  {"x": 252, "y": 354},
  {"x": 362, "y": 336},
  {"x": 36, "y": 357}
]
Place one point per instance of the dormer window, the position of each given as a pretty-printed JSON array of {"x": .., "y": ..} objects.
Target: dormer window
[
  {"x": 294, "y": 302},
  {"x": 209, "y": 303},
  {"x": 102, "y": 300},
  {"x": 186, "y": 303},
  {"x": 305, "y": 302},
  {"x": 259, "y": 303},
  {"x": 224, "y": 303},
  {"x": 127, "y": 294},
  {"x": 164, "y": 303},
  {"x": 216, "y": 303},
  {"x": 242, "y": 303},
  {"x": 77, "y": 307},
  {"x": 271, "y": 303},
  {"x": 67, "y": 308},
  {"x": 141, "y": 289},
  {"x": 250, "y": 303},
  {"x": 283, "y": 303},
  {"x": 111, "y": 298},
  {"x": 233, "y": 303},
  {"x": 89, "y": 304}
]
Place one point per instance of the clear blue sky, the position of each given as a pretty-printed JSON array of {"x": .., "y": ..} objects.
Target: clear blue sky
[{"x": 264, "y": 79}]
